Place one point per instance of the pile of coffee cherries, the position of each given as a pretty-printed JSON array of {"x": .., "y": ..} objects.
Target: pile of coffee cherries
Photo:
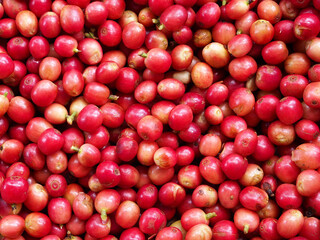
[{"x": 159, "y": 119}]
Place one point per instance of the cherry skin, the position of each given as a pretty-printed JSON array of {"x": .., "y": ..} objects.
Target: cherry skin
[
  {"x": 89, "y": 115},
  {"x": 59, "y": 210},
  {"x": 97, "y": 227},
  {"x": 11, "y": 226},
  {"x": 37, "y": 224},
  {"x": 108, "y": 172},
  {"x": 50, "y": 141},
  {"x": 14, "y": 189},
  {"x": 158, "y": 60},
  {"x": 152, "y": 220}
]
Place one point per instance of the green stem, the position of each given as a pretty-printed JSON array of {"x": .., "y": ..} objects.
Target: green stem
[
  {"x": 246, "y": 228},
  {"x": 143, "y": 54},
  {"x": 155, "y": 21},
  {"x": 5, "y": 94},
  {"x": 13, "y": 206},
  {"x": 104, "y": 214},
  {"x": 74, "y": 148},
  {"x": 113, "y": 97},
  {"x": 90, "y": 35},
  {"x": 210, "y": 215},
  {"x": 70, "y": 118},
  {"x": 158, "y": 23},
  {"x": 239, "y": 31},
  {"x": 160, "y": 26}
]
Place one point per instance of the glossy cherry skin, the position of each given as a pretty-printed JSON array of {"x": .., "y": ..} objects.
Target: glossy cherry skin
[
  {"x": 171, "y": 194},
  {"x": 133, "y": 35},
  {"x": 253, "y": 198},
  {"x": 170, "y": 89},
  {"x": 195, "y": 101},
  {"x": 306, "y": 26},
  {"x": 11, "y": 226},
  {"x": 39, "y": 47},
  {"x": 108, "y": 173},
  {"x": 284, "y": 110},
  {"x": 309, "y": 96},
  {"x": 293, "y": 85},
  {"x": 96, "y": 93},
  {"x": 306, "y": 182},
  {"x": 310, "y": 228},
  {"x": 72, "y": 19},
  {"x": 157, "y": 7},
  {"x": 50, "y": 68},
  {"x": 97, "y": 227},
  {"x": 96, "y": 13},
  {"x": 18, "y": 169},
  {"x": 127, "y": 214},
  {"x": 152, "y": 221},
  {"x": 56, "y": 185},
  {"x": 265, "y": 107},
  {"x": 106, "y": 202},
  {"x": 127, "y": 80},
  {"x": 199, "y": 230},
  {"x": 20, "y": 110},
  {"x": 37, "y": 197},
  {"x": 211, "y": 164},
  {"x": 109, "y": 33},
  {"x": 241, "y": 101},
  {"x": 246, "y": 220},
  {"x": 158, "y": 60},
  {"x": 287, "y": 196},
  {"x": 37, "y": 224},
  {"x": 204, "y": 196},
  {"x": 50, "y": 141},
  {"x": 268, "y": 228},
  {"x": 242, "y": 64},
  {"x": 234, "y": 166},
  {"x": 14, "y": 189},
  {"x": 18, "y": 45},
  {"x": 147, "y": 196},
  {"x": 90, "y": 51},
  {"x": 73, "y": 137},
  {"x": 88, "y": 155},
  {"x": 223, "y": 229},
  {"x": 180, "y": 117},
  {"x": 133, "y": 233},
  {"x": 27, "y": 23},
  {"x": 59, "y": 210},
  {"x": 228, "y": 194},
  {"x": 49, "y": 24},
  {"x": 293, "y": 218},
  {"x": 208, "y": 15},
  {"x": 90, "y": 118},
  {"x": 169, "y": 233},
  {"x": 11, "y": 151},
  {"x": 107, "y": 72},
  {"x": 33, "y": 157},
  {"x": 145, "y": 125},
  {"x": 174, "y": 17},
  {"x": 285, "y": 164},
  {"x": 113, "y": 115},
  {"x": 126, "y": 148},
  {"x": 65, "y": 46}
]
